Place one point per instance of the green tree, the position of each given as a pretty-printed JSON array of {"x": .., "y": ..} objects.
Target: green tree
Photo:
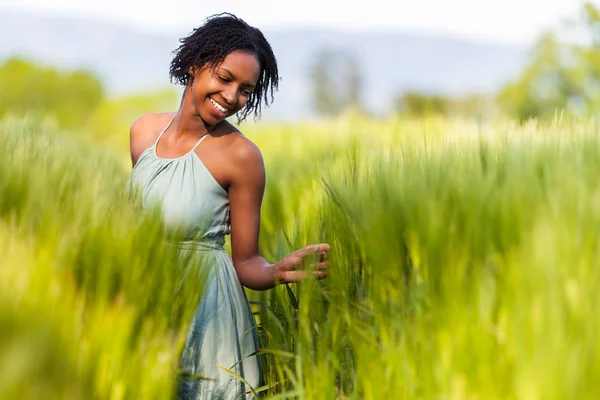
[
  {"x": 336, "y": 82},
  {"x": 27, "y": 88},
  {"x": 560, "y": 76},
  {"x": 419, "y": 104}
]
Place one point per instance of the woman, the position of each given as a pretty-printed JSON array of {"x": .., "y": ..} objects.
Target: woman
[{"x": 210, "y": 179}]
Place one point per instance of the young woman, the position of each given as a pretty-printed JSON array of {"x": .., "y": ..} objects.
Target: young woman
[{"x": 210, "y": 178}]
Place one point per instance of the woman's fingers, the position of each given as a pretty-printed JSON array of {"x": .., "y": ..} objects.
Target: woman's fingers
[
  {"x": 319, "y": 274},
  {"x": 323, "y": 265},
  {"x": 297, "y": 276},
  {"x": 318, "y": 271},
  {"x": 320, "y": 266},
  {"x": 294, "y": 276},
  {"x": 313, "y": 256},
  {"x": 311, "y": 249}
]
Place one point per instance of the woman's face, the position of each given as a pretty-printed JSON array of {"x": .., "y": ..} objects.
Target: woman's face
[{"x": 221, "y": 92}]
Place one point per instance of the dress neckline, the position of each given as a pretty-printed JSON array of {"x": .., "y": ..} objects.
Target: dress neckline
[{"x": 193, "y": 149}]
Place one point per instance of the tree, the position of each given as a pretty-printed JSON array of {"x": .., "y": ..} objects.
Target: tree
[
  {"x": 419, "y": 104},
  {"x": 560, "y": 76},
  {"x": 336, "y": 82},
  {"x": 27, "y": 88},
  {"x": 474, "y": 105}
]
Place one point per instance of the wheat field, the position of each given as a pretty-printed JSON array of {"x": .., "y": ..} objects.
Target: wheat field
[{"x": 464, "y": 264}]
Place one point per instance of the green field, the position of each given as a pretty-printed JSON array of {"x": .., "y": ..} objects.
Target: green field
[{"x": 464, "y": 264}]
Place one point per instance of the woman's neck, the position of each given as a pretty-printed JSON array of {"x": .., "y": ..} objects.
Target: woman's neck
[{"x": 187, "y": 120}]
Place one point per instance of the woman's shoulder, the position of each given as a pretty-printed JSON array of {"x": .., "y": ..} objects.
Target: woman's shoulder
[
  {"x": 144, "y": 131},
  {"x": 239, "y": 147},
  {"x": 150, "y": 124}
]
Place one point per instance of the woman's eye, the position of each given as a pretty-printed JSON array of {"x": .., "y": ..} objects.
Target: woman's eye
[
  {"x": 222, "y": 78},
  {"x": 246, "y": 93}
]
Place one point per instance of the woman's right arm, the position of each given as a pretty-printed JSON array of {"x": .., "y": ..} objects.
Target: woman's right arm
[
  {"x": 139, "y": 139},
  {"x": 135, "y": 137}
]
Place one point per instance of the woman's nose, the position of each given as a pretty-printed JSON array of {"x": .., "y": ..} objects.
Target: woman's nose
[{"x": 230, "y": 95}]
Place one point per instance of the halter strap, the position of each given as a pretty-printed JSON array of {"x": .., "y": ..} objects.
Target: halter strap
[
  {"x": 199, "y": 141},
  {"x": 167, "y": 127},
  {"x": 163, "y": 131}
]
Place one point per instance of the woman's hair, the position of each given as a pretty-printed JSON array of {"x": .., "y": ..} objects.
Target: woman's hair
[{"x": 208, "y": 45}]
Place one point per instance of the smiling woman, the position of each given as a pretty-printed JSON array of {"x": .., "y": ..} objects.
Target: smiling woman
[{"x": 209, "y": 180}]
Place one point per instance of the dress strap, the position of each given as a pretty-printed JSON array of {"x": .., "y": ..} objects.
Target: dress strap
[
  {"x": 167, "y": 127},
  {"x": 198, "y": 142},
  {"x": 164, "y": 130}
]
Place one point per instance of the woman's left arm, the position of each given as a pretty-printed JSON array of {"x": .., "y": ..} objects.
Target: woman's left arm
[{"x": 246, "y": 190}]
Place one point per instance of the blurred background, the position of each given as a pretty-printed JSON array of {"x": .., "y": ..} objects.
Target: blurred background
[{"x": 97, "y": 63}]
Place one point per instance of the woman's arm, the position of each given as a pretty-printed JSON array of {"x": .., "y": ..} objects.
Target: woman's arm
[
  {"x": 138, "y": 137},
  {"x": 246, "y": 190}
]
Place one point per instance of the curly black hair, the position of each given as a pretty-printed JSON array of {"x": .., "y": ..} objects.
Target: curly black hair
[{"x": 208, "y": 45}]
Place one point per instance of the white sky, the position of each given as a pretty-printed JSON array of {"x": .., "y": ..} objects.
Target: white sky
[{"x": 510, "y": 21}]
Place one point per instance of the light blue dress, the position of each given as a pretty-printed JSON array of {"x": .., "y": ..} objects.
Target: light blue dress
[{"x": 222, "y": 331}]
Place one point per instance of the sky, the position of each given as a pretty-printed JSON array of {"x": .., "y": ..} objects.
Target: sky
[{"x": 506, "y": 21}]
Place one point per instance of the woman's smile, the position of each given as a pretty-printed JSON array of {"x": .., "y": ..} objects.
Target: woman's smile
[{"x": 221, "y": 109}]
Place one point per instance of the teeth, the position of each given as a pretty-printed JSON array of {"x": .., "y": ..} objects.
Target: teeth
[{"x": 218, "y": 106}]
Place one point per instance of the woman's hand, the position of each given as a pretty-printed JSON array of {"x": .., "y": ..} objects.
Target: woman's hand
[{"x": 287, "y": 270}]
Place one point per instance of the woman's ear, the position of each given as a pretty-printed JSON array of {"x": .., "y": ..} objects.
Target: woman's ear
[{"x": 192, "y": 73}]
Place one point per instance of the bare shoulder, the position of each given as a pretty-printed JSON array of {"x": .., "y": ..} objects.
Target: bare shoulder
[
  {"x": 147, "y": 126},
  {"x": 144, "y": 131},
  {"x": 244, "y": 157},
  {"x": 243, "y": 151}
]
